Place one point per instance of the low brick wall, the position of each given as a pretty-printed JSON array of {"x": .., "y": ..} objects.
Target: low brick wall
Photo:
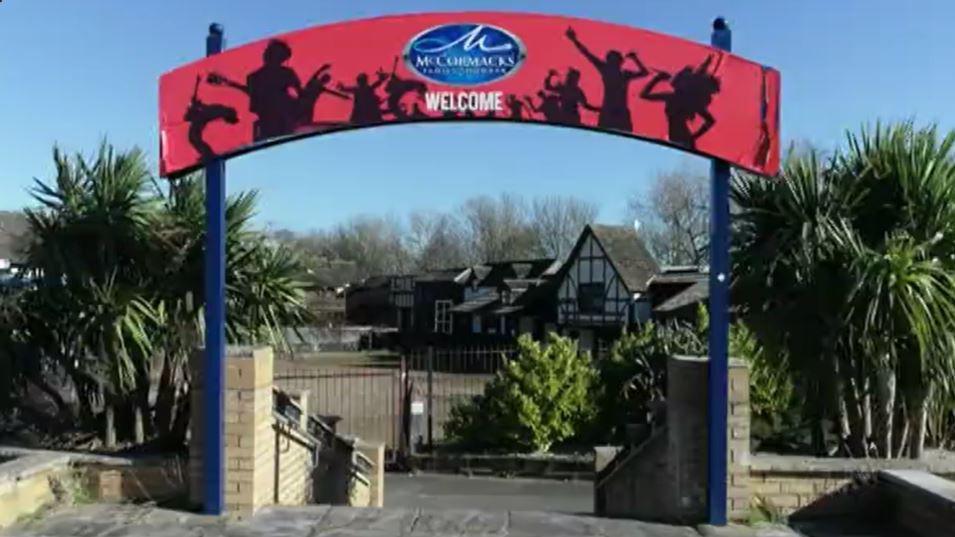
[
  {"x": 34, "y": 479},
  {"x": 295, "y": 466},
  {"x": 28, "y": 483},
  {"x": 812, "y": 486}
]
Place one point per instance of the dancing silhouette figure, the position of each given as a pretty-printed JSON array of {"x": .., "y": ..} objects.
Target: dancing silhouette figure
[
  {"x": 570, "y": 94},
  {"x": 614, "y": 112},
  {"x": 765, "y": 140},
  {"x": 200, "y": 114},
  {"x": 515, "y": 108},
  {"x": 397, "y": 88},
  {"x": 691, "y": 95},
  {"x": 549, "y": 106},
  {"x": 274, "y": 91},
  {"x": 366, "y": 107},
  {"x": 316, "y": 86}
]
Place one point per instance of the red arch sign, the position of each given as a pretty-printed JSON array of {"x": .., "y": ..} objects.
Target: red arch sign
[{"x": 471, "y": 66}]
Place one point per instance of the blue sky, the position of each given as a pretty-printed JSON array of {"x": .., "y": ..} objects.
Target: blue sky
[{"x": 73, "y": 72}]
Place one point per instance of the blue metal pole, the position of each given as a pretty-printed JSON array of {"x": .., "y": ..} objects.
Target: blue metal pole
[
  {"x": 719, "y": 318},
  {"x": 213, "y": 370}
]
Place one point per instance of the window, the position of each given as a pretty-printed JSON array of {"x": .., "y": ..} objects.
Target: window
[
  {"x": 442, "y": 316},
  {"x": 590, "y": 297}
]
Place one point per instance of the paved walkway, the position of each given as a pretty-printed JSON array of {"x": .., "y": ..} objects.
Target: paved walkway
[
  {"x": 489, "y": 493},
  {"x": 325, "y": 521}
]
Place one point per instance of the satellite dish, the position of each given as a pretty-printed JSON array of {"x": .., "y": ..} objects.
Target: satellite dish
[{"x": 636, "y": 226}]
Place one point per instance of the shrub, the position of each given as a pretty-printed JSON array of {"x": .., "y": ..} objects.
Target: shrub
[
  {"x": 633, "y": 378},
  {"x": 541, "y": 397}
]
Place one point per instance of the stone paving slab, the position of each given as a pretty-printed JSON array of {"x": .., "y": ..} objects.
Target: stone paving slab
[{"x": 325, "y": 521}]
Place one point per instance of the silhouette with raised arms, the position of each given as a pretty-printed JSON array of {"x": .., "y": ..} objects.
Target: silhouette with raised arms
[
  {"x": 690, "y": 97},
  {"x": 397, "y": 88},
  {"x": 274, "y": 91},
  {"x": 615, "y": 110},
  {"x": 199, "y": 115},
  {"x": 316, "y": 86},
  {"x": 549, "y": 106},
  {"x": 366, "y": 107},
  {"x": 570, "y": 94}
]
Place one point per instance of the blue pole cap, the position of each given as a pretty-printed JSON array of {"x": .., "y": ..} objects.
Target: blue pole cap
[
  {"x": 216, "y": 29},
  {"x": 720, "y": 24}
]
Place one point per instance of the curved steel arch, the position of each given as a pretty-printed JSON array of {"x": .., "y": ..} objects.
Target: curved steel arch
[
  {"x": 699, "y": 99},
  {"x": 574, "y": 72}
]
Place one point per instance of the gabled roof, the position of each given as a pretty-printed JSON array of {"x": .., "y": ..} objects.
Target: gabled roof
[
  {"x": 495, "y": 273},
  {"x": 697, "y": 292},
  {"x": 626, "y": 252},
  {"x": 686, "y": 274}
]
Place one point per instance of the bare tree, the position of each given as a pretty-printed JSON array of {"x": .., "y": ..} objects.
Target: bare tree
[
  {"x": 556, "y": 222},
  {"x": 674, "y": 217},
  {"x": 497, "y": 228},
  {"x": 437, "y": 240}
]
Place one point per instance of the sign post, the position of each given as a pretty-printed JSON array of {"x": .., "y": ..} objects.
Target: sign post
[
  {"x": 719, "y": 318},
  {"x": 214, "y": 360}
]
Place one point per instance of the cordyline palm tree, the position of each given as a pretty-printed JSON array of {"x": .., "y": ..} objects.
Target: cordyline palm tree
[
  {"x": 858, "y": 257},
  {"x": 118, "y": 308}
]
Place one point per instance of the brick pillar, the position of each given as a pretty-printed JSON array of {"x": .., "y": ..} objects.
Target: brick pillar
[
  {"x": 738, "y": 490},
  {"x": 249, "y": 438}
]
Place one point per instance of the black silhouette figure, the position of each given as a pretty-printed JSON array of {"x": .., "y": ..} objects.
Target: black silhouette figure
[
  {"x": 691, "y": 95},
  {"x": 397, "y": 88},
  {"x": 765, "y": 142},
  {"x": 614, "y": 112},
  {"x": 367, "y": 103},
  {"x": 549, "y": 106},
  {"x": 418, "y": 113},
  {"x": 316, "y": 86},
  {"x": 515, "y": 108},
  {"x": 571, "y": 96},
  {"x": 274, "y": 91},
  {"x": 200, "y": 114}
]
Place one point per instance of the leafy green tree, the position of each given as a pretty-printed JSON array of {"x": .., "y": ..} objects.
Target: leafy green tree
[
  {"x": 540, "y": 398},
  {"x": 858, "y": 253},
  {"x": 117, "y": 308}
]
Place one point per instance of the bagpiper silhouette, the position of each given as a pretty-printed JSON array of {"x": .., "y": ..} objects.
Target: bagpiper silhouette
[
  {"x": 570, "y": 94},
  {"x": 199, "y": 115},
  {"x": 614, "y": 112},
  {"x": 367, "y": 104},
  {"x": 691, "y": 95}
]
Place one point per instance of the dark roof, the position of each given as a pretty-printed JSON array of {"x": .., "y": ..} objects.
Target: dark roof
[
  {"x": 13, "y": 230},
  {"x": 627, "y": 253},
  {"x": 475, "y": 304},
  {"x": 442, "y": 275},
  {"x": 680, "y": 275},
  {"x": 495, "y": 273},
  {"x": 693, "y": 294}
]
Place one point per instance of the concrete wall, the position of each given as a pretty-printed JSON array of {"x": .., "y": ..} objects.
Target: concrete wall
[
  {"x": 29, "y": 484},
  {"x": 665, "y": 479},
  {"x": 156, "y": 480}
]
